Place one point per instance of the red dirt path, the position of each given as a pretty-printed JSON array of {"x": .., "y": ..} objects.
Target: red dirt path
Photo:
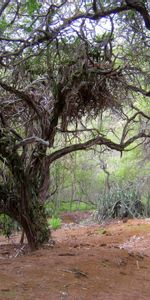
[{"x": 109, "y": 262}]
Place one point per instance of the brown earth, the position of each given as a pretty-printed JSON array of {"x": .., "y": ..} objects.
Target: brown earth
[{"x": 88, "y": 261}]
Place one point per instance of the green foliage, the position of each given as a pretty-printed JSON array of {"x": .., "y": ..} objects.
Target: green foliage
[
  {"x": 76, "y": 183},
  {"x": 119, "y": 201},
  {"x": 52, "y": 210},
  {"x": 132, "y": 14},
  {"x": 3, "y": 24},
  {"x": 55, "y": 222},
  {"x": 74, "y": 206},
  {"x": 7, "y": 225},
  {"x": 146, "y": 204},
  {"x": 125, "y": 168},
  {"x": 49, "y": 209},
  {"x": 101, "y": 179},
  {"x": 32, "y": 6}
]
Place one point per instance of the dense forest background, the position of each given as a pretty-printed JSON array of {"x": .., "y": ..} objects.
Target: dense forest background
[{"x": 98, "y": 180}]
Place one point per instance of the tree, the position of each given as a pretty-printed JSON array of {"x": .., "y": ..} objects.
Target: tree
[{"x": 59, "y": 68}]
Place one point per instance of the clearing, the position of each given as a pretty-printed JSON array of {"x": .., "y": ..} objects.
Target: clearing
[{"x": 88, "y": 261}]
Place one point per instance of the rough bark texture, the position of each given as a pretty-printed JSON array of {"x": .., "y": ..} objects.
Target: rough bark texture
[
  {"x": 32, "y": 218},
  {"x": 20, "y": 193}
]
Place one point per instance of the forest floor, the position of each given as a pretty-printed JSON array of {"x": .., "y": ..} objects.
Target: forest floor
[{"x": 88, "y": 261}]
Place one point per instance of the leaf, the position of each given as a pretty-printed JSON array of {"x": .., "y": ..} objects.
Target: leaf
[
  {"x": 32, "y": 5},
  {"x": 3, "y": 24}
]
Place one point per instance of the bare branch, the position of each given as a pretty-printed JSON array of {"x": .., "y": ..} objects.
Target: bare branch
[
  {"x": 101, "y": 141},
  {"x": 6, "y": 3},
  {"x": 28, "y": 99},
  {"x": 47, "y": 36},
  {"x": 139, "y": 6},
  {"x": 141, "y": 112},
  {"x": 138, "y": 90},
  {"x": 30, "y": 140}
]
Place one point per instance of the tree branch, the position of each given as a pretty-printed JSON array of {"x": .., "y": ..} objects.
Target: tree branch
[
  {"x": 6, "y": 3},
  {"x": 26, "y": 97},
  {"x": 101, "y": 141},
  {"x": 138, "y": 90},
  {"x": 140, "y": 112},
  {"x": 30, "y": 140},
  {"x": 139, "y": 6},
  {"x": 47, "y": 36}
]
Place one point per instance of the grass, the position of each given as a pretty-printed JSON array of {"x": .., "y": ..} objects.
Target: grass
[
  {"x": 74, "y": 206},
  {"x": 55, "y": 222},
  {"x": 52, "y": 210}
]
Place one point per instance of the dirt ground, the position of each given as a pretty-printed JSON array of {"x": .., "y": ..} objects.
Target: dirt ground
[{"x": 88, "y": 261}]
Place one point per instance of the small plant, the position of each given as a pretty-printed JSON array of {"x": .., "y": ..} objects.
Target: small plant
[
  {"x": 55, "y": 222},
  {"x": 7, "y": 225}
]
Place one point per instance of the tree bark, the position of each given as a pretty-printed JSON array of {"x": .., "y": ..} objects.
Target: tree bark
[
  {"x": 35, "y": 226},
  {"x": 32, "y": 217},
  {"x": 23, "y": 189}
]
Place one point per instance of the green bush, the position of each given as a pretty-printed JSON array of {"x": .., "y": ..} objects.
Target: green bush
[
  {"x": 146, "y": 204},
  {"x": 74, "y": 206},
  {"x": 119, "y": 201},
  {"x": 65, "y": 206},
  {"x": 7, "y": 225},
  {"x": 55, "y": 222}
]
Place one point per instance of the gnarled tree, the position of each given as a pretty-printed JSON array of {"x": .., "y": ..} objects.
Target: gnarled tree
[{"x": 59, "y": 67}]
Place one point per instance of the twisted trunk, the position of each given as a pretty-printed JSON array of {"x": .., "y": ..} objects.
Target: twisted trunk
[
  {"x": 24, "y": 188},
  {"x": 28, "y": 212}
]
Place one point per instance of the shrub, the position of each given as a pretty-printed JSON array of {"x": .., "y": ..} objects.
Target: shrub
[
  {"x": 119, "y": 201},
  {"x": 146, "y": 203},
  {"x": 55, "y": 222},
  {"x": 7, "y": 225}
]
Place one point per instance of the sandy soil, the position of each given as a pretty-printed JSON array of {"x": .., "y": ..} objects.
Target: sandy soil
[{"x": 88, "y": 261}]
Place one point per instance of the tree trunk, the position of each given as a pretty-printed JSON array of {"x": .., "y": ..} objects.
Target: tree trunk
[
  {"x": 35, "y": 225},
  {"x": 29, "y": 213}
]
